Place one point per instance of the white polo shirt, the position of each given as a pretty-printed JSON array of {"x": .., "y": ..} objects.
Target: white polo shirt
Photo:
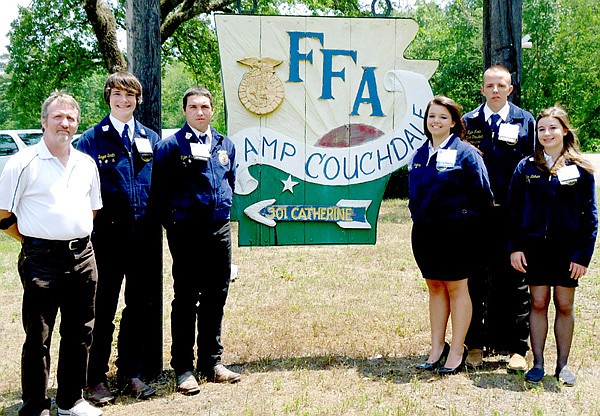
[{"x": 51, "y": 201}]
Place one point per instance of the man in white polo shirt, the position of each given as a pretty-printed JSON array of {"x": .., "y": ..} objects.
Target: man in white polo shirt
[{"x": 49, "y": 194}]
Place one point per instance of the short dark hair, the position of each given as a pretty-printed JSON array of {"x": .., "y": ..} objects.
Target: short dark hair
[
  {"x": 123, "y": 80},
  {"x": 197, "y": 90},
  {"x": 454, "y": 109},
  {"x": 61, "y": 97}
]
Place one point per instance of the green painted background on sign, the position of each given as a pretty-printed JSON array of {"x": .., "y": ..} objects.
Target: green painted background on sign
[{"x": 252, "y": 233}]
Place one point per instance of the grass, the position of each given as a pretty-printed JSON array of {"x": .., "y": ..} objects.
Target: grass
[{"x": 335, "y": 330}]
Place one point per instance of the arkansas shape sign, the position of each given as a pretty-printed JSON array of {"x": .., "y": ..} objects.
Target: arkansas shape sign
[{"x": 322, "y": 110}]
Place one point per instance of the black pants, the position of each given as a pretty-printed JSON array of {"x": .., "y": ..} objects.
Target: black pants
[
  {"x": 201, "y": 273},
  {"x": 56, "y": 276},
  {"x": 132, "y": 252},
  {"x": 499, "y": 295}
]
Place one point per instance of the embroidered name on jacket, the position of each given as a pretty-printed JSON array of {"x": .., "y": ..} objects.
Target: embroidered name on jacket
[
  {"x": 105, "y": 158},
  {"x": 475, "y": 137}
]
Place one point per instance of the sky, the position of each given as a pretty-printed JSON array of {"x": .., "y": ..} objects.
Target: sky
[{"x": 8, "y": 14}]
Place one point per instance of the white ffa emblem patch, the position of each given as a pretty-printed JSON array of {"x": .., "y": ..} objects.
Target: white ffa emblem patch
[{"x": 223, "y": 157}]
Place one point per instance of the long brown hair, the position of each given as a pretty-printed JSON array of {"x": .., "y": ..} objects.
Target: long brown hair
[
  {"x": 570, "y": 151},
  {"x": 455, "y": 112}
]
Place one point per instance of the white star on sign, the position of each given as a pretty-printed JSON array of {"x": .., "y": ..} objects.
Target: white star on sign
[{"x": 288, "y": 184}]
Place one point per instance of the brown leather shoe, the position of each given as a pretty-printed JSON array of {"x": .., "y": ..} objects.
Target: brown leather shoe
[
  {"x": 222, "y": 374},
  {"x": 138, "y": 389},
  {"x": 187, "y": 384},
  {"x": 100, "y": 395}
]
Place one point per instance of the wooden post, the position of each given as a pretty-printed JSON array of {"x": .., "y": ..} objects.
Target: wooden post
[
  {"x": 502, "y": 27},
  {"x": 143, "y": 56}
]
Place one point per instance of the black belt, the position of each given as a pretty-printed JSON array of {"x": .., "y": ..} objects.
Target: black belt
[{"x": 77, "y": 244}]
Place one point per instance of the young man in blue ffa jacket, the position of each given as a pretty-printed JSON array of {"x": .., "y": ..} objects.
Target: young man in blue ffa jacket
[
  {"x": 193, "y": 181},
  {"x": 50, "y": 193},
  {"x": 505, "y": 134},
  {"x": 127, "y": 241}
]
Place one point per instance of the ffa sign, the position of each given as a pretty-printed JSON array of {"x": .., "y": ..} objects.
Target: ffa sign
[{"x": 322, "y": 111}]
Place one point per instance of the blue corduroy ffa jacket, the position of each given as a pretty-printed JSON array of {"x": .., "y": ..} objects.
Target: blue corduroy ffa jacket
[
  {"x": 453, "y": 194},
  {"x": 540, "y": 207},
  {"x": 188, "y": 190},
  {"x": 125, "y": 178},
  {"x": 500, "y": 157}
]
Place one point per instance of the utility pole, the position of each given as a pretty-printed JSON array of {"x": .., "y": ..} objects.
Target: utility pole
[
  {"x": 143, "y": 56},
  {"x": 502, "y": 31}
]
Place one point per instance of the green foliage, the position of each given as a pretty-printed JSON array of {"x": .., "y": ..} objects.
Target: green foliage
[
  {"x": 89, "y": 93},
  {"x": 452, "y": 35},
  {"x": 6, "y": 116},
  {"x": 563, "y": 65},
  {"x": 195, "y": 45},
  {"x": 50, "y": 48},
  {"x": 176, "y": 80},
  {"x": 541, "y": 21}
]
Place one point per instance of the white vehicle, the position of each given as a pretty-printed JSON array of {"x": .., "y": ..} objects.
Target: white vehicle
[
  {"x": 11, "y": 141},
  {"x": 168, "y": 132}
]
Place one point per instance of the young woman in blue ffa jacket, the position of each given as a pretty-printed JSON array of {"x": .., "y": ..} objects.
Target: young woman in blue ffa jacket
[
  {"x": 449, "y": 192},
  {"x": 554, "y": 222}
]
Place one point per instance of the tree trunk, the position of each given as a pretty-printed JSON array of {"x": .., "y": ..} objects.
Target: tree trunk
[{"x": 502, "y": 27}]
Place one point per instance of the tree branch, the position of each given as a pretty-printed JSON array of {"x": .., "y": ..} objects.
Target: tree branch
[
  {"x": 187, "y": 10},
  {"x": 166, "y": 7},
  {"x": 104, "y": 24}
]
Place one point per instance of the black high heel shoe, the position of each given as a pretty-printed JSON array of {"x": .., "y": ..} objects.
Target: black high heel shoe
[
  {"x": 445, "y": 371},
  {"x": 432, "y": 366}
]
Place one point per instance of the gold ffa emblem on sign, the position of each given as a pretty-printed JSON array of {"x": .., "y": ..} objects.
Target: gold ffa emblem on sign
[{"x": 260, "y": 90}]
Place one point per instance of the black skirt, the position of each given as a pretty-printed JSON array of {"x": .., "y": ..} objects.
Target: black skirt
[
  {"x": 446, "y": 251},
  {"x": 548, "y": 262}
]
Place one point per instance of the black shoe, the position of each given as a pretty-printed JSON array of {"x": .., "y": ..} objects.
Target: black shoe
[
  {"x": 432, "y": 366},
  {"x": 445, "y": 371},
  {"x": 138, "y": 389},
  {"x": 535, "y": 375}
]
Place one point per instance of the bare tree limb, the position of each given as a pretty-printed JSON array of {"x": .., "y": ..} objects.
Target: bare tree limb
[
  {"x": 166, "y": 7},
  {"x": 187, "y": 9},
  {"x": 104, "y": 24},
  {"x": 173, "y": 14}
]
